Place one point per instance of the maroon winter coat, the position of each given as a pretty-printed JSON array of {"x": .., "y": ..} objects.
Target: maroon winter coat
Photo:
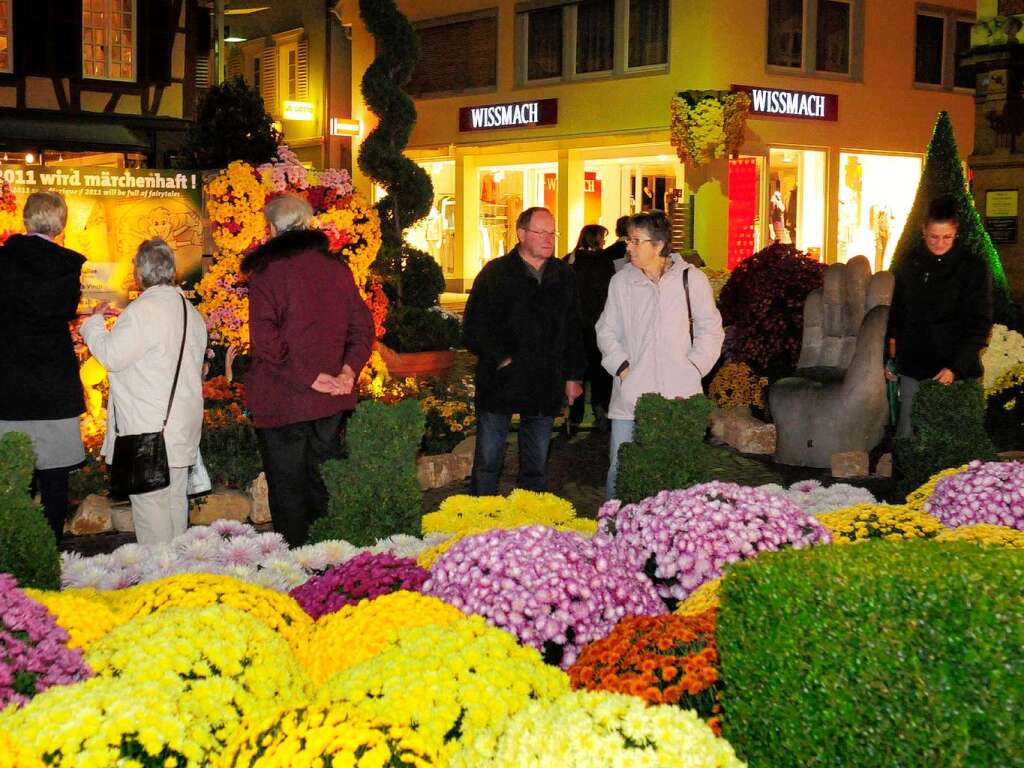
[{"x": 305, "y": 318}]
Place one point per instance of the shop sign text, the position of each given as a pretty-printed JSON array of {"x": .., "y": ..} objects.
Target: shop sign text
[
  {"x": 778, "y": 102},
  {"x": 522, "y": 114}
]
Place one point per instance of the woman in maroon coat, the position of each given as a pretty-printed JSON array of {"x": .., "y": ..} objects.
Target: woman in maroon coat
[{"x": 310, "y": 335}]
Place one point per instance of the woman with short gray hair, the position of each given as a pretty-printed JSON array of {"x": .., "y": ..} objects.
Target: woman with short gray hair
[
  {"x": 140, "y": 354},
  {"x": 40, "y": 391}
]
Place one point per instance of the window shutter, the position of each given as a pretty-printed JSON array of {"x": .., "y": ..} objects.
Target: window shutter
[
  {"x": 234, "y": 63},
  {"x": 268, "y": 78},
  {"x": 302, "y": 70},
  {"x": 48, "y": 37},
  {"x": 203, "y": 71}
]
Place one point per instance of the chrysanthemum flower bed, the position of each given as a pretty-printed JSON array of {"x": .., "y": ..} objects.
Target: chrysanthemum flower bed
[
  {"x": 986, "y": 534},
  {"x": 879, "y": 521},
  {"x": 986, "y": 492},
  {"x": 365, "y": 576},
  {"x": 685, "y": 538},
  {"x": 553, "y": 590},
  {"x": 475, "y": 514}
]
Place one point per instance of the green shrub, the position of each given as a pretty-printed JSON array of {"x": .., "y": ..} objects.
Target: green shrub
[
  {"x": 883, "y": 654},
  {"x": 231, "y": 454},
  {"x": 90, "y": 478},
  {"x": 422, "y": 279},
  {"x": 375, "y": 492},
  {"x": 28, "y": 549},
  {"x": 949, "y": 430},
  {"x": 668, "y": 448},
  {"x": 413, "y": 329},
  {"x": 1004, "y": 410}
]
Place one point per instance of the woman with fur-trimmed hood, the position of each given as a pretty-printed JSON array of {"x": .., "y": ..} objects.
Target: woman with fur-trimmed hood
[{"x": 310, "y": 335}]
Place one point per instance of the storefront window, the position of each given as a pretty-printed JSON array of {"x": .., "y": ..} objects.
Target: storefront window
[
  {"x": 435, "y": 233},
  {"x": 796, "y": 199},
  {"x": 504, "y": 193},
  {"x": 544, "y": 44},
  {"x": 626, "y": 185},
  {"x": 875, "y": 196}
]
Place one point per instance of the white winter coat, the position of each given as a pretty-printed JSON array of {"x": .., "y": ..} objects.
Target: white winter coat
[
  {"x": 647, "y": 324},
  {"x": 140, "y": 354}
]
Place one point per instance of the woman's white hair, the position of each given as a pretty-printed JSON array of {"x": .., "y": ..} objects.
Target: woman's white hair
[
  {"x": 45, "y": 213},
  {"x": 154, "y": 263},
  {"x": 288, "y": 212}
]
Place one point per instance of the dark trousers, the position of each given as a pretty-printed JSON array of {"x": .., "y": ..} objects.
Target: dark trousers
[
  {"x": 600, "y": 392},
  {"x": 489, "y": 458},
  {"x": 292, "y": 456},
  {"x": 52, "y": 485}
]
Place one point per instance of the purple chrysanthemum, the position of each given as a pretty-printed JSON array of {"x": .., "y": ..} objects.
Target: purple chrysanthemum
[
  {"x": 986, "y": 492},
  {"x": 366, "y": 575}
]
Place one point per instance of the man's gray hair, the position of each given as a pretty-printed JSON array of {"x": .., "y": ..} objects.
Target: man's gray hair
[
  {"x": 288, "y": 212},
  {"x": 154, "y": 263},
  {"x": 45, "y": 213}
]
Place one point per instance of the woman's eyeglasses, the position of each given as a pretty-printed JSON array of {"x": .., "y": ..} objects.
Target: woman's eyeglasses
[{"x": 635, "y": 241}]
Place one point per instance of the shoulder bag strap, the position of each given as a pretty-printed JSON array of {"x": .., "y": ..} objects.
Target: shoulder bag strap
[
  {"x": 181, "y": 351},
  {"x": 686, "y": 290}
]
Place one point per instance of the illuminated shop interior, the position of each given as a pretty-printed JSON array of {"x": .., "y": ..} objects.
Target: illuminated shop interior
[{"x": 505, "y": 191}]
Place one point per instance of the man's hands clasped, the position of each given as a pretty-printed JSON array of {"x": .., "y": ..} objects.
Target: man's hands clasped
[{"x": 342, "y": 384}]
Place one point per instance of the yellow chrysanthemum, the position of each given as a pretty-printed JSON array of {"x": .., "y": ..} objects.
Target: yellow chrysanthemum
[
  {"x": 476, "y": 514},
  {"x": 278, "y": 611},
  {"x": 703, "y": 598},
  {"x": 916, "y": 499},
  {"x": 446, "y": 682},
  {"x": 879, "y": 521},
  {"x": 85, "y": 621},
  {"x": 14, "y": 755},
  {"x": 359, "y": 632},
  {"x": 428, "y": 557},
  {"x": 596, "y": 729},
  {"x": 986, "y": 534}
]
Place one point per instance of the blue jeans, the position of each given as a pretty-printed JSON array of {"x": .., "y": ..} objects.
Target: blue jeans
[
  {"x": 491, "y": 434},
  {"x": 622, "y": 432}
]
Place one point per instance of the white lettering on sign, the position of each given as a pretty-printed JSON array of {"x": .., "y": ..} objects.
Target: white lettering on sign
[
  {"x": 504, "y": 115},
  {"x": 767, "y": 101}
]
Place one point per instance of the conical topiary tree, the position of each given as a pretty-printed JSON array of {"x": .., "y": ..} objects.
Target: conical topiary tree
[
  {"x": 409, "y": 189},
  {"x": 943, "y": 175}
]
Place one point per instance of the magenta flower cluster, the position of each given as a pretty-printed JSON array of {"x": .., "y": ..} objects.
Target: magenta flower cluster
[
  {"x": 986, "y": 492},
  {"x": 33, "y": 648},
  {"x": 367, "y": 575},
  {"x": 685, "y": 538},
  {"x": 553, "y": 589}
]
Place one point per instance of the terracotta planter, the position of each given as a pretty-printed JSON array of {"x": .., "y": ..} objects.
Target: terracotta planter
[{"x": 423, "y": 365}]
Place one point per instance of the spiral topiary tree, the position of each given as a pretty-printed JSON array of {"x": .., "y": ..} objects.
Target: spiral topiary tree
[
  {"x": 943, "y": 175},
  {"x": 409, "y": 189}
]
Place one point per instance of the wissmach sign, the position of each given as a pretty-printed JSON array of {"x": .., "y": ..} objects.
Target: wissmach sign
[
  {"x": 778, "y": 102},
  {"x": 521, "y": 114}
]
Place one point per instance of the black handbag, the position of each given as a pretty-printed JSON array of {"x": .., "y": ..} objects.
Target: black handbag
[{"x": 140, "y": 461}]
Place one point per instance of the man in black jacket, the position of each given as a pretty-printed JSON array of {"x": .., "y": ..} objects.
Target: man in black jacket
[
  {"x": 523, "y": 323},
  {"x": 941, "y": 313}
]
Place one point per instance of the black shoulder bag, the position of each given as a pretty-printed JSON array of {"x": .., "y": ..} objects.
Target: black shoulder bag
[
  {"x": 140, "y": 461},
  {"x": 689, "y": 308}
]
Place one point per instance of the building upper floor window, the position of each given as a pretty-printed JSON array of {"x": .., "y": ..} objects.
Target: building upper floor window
[
  {"x": 815, "y": 36},
  {"x": 941, "y": 37},
  {"x": 457, "y": 54},
  {"x": 6, "y": 26},
  {"x": 108, "y": 39},
  {"x": 565, "y": 40}
]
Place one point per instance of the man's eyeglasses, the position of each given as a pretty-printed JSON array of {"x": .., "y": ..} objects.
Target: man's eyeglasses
[
  {"x": 542, "y": 232},
  {"x": 635, "y": 241}
]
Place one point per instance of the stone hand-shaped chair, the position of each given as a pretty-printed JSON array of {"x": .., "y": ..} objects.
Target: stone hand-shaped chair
[{"x": 836, "y": 401}]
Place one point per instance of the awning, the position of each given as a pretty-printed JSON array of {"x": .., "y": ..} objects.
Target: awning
[{"x": 70, "y": 133}]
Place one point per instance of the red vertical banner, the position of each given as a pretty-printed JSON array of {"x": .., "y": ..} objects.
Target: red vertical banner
[
  {"x": 591, "y": 198},
  {"x": 551, "y": 193},
  {"x": 743, "y": 184}
]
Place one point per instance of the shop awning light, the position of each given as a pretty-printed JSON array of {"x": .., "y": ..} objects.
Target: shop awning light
[{"x": 343, "y": 126}]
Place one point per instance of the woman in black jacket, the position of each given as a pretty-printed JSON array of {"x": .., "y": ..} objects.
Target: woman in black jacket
[
  {"x": 40, "y": 391},
  {"x": 941, "y": 313}
]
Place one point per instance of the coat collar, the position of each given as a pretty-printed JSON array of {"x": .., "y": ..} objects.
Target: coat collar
[
  {"x": 284, "y": 246},
  {"x": 637, "y": 276}
]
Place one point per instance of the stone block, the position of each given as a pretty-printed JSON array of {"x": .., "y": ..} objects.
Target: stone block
[
  {"x": 221, "y": 505},
  {"x": 884, "y": 466},
  {"x": 121, "y": 517},
  {"x": 850, "y": 464},
  {"x": 259, "y": 494},
  {"x": 467, "y": 447},
  {"x": 741, "y": 430},
  {"x": 442, "y": 469},
  {"x": 91, "y": 517}
]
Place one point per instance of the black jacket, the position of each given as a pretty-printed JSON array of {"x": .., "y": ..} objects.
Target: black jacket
[
  {"x": 509, "y": 314},
  {"x": 941, "y": 313},
  {"x": 39, "y": 294}
]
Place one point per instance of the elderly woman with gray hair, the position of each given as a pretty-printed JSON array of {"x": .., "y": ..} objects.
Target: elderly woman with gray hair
[
  {"x": 40, "y": 391},
  {"x": 310, "y": 336},
  {"x": 141, "y": 355}
]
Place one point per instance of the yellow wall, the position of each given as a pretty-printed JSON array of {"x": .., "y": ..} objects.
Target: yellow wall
[{"x": 714, "y": 44}]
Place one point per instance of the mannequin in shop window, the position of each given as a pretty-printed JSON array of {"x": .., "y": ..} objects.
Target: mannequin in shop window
[
  {"x": 790, "y": 215},
  {"x": 777, "y": 215},
  {"x": 881, "y": 224}
]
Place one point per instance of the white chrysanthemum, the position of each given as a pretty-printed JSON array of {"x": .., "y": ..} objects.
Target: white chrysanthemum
[
  {"x": 814, "y": 498},
  {"x": 399, "y": 545},
  {"x": 205, "y": 550},
  {"x": 240, "y": 551},
  {"x": 240, "y": 572},
  {"x": 320, "y": 557},
  {"x": 271, "y": 544},
  {"x": 81, "y": 573},
  {"x": 286, "y": 571},
  {"x": 231, "y": 528},
  {"x": 271, "y": 579},
  {"x": 195, "y": 533},
  {"x": 131, "y": 554}
]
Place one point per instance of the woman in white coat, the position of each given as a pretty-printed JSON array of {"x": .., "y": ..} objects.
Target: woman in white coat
[
  {"x": 645, "y": 335},
  {"x": 140, "y": 354}
]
